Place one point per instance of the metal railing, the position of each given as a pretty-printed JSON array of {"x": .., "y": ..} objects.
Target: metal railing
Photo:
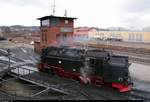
[{"x": 34, "y": 77}]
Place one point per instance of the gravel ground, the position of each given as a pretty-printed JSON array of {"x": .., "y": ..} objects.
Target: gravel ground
[{"x": 124, "y": 44}]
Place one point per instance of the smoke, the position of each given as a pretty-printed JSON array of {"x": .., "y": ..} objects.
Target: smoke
[
  {"x": 65, "y": 40},
  {"x": 70, "y": 40},
  {"x": 86, "y": 70}
]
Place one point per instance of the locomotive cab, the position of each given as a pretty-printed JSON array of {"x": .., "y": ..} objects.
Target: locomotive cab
[{"x": 97, "y": 58}]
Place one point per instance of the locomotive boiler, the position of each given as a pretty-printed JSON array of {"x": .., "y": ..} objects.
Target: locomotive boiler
[{"x": 94, "y": 66}]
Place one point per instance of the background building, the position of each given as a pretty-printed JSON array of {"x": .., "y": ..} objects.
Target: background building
[
  {"x": 106, "y": 34},
  {"x": 1, "y": 32},
  {"x": 81, "y": 33}
]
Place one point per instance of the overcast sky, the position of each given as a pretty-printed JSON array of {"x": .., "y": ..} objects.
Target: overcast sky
[{"x": 98, "y": 13}]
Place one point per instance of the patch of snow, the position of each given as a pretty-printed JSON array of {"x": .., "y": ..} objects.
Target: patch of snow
[
  {"x": 29, "y": 67},
  {"x": 140, "y": 71},
  {"x": 3, "y": 50},
  {"x": 142, "y": 85},
  {"x": 33, "y": 59},
  {"x": 32, "y": 42},
  {"x": 25, "y": 72},
  {"x": 23, "y": 50},
  {"x": 6, "y": 59}
]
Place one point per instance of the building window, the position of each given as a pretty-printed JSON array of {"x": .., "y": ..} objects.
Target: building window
[
  {"x": 132, "y": 37},
  {"x": 141, "y": 37},
  {"x": 45, "y": 22},
  {"x": 64, "y": 37},
  {"x": 54, "y": 21},
  {"x": 58, "y": 37},
  {"x": 45, "y": 37},
  {"x": 66, "y": 21},
  {"x": 138, "y": 37},
  {"x": 42, "y": 36}
]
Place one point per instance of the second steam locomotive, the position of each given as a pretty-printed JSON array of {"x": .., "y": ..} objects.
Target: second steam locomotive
[{"x": 92, "y": 66}]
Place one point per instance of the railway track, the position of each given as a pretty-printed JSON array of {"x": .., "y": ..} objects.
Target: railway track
[
  {"x": 78, "y": 91},
  {"x": 120, "y": 48},
  {"x": 16, "y": 59},
  {"x": 140, "y": 94},
  {"x": 135, "y": 95},
  {"x": 133, "y": 59},
  {"x": 90, "y": 93},
  {"x": 112, "y": 94},
  {"x": 107, "y": 93},
  {"x": 135, "y": 54}
]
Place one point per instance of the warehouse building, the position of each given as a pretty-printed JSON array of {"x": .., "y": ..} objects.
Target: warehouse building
[{"x": 128, "y": 36}]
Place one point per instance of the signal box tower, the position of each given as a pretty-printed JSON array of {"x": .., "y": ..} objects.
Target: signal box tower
[{"x": 54, "y": 29}]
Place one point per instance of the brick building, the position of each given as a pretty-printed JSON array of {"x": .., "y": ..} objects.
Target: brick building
[
  {"x": 54, "y": 30},
  {"x": 81, "y": 33}
]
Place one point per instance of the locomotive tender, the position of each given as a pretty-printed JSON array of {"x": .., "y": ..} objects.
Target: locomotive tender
[{"x": 92, "y": 66}]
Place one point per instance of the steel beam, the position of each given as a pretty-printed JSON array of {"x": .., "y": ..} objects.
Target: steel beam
[
  {"x": 47, "y": 89},
  {"x": 39, "y": 84}
]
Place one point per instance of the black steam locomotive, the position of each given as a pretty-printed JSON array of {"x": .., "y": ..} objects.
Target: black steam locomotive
[{"x": 92, "y": 66}]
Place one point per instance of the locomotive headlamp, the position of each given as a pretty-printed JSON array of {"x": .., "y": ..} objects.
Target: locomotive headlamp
[
  {"x": 59, "y": 62},
  {"x": 120, "y": 79},
  {"x": 74, "y": 69}
]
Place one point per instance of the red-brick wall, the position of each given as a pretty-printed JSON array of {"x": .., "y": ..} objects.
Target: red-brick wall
[
  {"x": 50, "y": 33},
  {"x": 37, "y": 47},
  {"x": 62, "y": 23}
]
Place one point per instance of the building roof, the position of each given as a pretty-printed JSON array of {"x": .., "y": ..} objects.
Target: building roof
[
  {"x": 99, "y": 29},
  {"x": 51, "y": 16},
  {"x": 82, "y": 28}
]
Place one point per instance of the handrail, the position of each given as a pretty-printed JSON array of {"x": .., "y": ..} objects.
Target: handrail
[{"x": 22, "y": 75}]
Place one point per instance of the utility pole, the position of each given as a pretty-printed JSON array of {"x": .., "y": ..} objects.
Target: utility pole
[
  {"x": 54, "y": 8},
  {"x": 65, "y": 13}
]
